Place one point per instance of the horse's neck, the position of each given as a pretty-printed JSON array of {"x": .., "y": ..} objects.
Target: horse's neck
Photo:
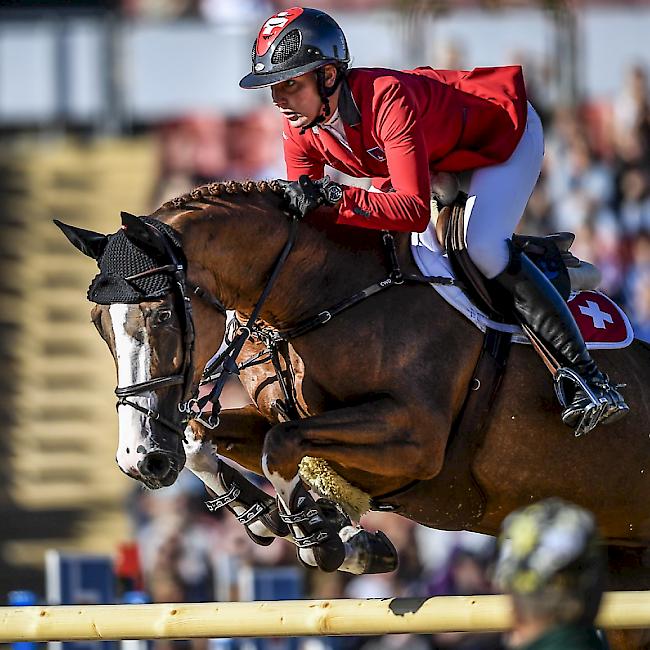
[
  {"x": 325, "y": 265},
  {"x": 239, "y": 245}
]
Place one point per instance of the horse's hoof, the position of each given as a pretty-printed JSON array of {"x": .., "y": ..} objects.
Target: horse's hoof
[
  {"x": 330, "y": 554},
  {"x": 368, "y": 552}
]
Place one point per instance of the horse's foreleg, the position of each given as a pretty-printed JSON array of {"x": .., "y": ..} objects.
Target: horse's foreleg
[
  {"x": 253, "y": 507},
  {"x": 239, "y": 436},
  {"x": 376, "y": 437},
  {"x": 371, "y": 436}
]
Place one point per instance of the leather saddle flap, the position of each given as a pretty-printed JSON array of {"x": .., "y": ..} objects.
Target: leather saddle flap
[{"x": 544, "y": 252}]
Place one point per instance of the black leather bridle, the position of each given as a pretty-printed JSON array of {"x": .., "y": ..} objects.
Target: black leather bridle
[
  {"x": 182, "y": 288},
  {"x": 225, "y": 364}
]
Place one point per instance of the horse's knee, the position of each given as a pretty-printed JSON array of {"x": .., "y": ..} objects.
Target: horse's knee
[
  {"x": 281, "y": 448},
  {"x": 200, "y": 456}
]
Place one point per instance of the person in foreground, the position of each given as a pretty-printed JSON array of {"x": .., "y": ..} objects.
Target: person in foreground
[
  {"x": 398, "y": 127},
  {"x": 552, "y": 566}
]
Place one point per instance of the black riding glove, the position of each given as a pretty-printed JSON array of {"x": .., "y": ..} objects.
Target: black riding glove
[{"x": 304, "y": 195}]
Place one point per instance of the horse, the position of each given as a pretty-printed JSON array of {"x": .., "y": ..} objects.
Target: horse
[{"x": 382, "y": 383}]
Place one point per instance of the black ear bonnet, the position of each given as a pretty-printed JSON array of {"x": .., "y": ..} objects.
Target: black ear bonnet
[{"x": 122, "y": 258}]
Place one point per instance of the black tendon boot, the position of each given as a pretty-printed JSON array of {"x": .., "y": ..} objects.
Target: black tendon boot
[
  {"x": 239, "y": 493},
  {"x": 586, "y": 394},
  {"x": 312, "y": 528}
]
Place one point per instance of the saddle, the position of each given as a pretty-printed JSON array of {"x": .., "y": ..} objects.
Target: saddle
[
  {"x": 551, "y": 254},
  {"x": 567, "y": 273}
]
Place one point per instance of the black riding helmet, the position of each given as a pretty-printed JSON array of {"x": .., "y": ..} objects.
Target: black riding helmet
[{"x": 293, "y": 42}]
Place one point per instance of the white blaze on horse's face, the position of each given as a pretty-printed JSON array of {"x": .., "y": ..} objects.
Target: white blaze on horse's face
[{"x": 133, "y": 359}]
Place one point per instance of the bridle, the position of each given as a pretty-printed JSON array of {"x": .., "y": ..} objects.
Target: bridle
[
  {"x": 181, "y": 287},
  {"x": 225, "y": 364}
]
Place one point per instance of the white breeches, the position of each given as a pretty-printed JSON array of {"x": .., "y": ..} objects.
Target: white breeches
[{"x": 497, "y": 197}]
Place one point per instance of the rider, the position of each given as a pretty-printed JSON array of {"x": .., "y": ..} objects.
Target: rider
[{"x": 399, "y": 126}]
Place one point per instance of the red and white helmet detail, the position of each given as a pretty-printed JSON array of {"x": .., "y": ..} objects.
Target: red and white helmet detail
[{"x": 273, "y": 26}]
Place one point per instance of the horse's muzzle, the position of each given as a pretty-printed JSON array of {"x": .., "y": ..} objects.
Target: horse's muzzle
[{"x": 159, "y": 469}]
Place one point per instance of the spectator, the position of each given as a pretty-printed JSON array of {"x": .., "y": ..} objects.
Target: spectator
[
  {"x": 634, "y": 210},
  {"x": 553, "y": 567},
  {"x": 632, "y": 103},
  {"x": 581, "y": 187}
]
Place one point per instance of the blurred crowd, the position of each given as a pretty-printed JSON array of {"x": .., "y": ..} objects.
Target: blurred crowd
[
  {"x": 595, "y": 183},
  {"x": 228, "y": 12}
]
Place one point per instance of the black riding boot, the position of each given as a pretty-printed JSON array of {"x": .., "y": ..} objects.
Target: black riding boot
[{"x": 538, "y": 304}]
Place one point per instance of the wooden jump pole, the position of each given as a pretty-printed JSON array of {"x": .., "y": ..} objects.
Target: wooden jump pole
[{"x": 288, "y": 618}]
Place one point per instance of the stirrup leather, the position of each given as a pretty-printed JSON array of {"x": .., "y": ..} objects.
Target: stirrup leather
[{"x": 596, "y": 411}]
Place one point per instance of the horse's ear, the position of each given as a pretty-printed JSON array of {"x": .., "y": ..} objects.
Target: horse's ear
[
  {"x": 87, "y": 241},
  {"x": 142, "y": 235}
]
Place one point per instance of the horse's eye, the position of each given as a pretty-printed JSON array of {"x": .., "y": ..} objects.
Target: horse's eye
[{"x": 162, "y": 316}]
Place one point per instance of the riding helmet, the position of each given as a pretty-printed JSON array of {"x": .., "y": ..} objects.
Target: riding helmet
[{"x": 293, "y": 42}]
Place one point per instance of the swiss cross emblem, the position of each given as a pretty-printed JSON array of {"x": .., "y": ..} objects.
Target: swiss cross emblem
[
  {"x": 601, "y": 321},
  {"x": 597, "y": 315}
]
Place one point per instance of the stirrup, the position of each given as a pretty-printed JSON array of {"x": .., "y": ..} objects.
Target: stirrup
[{"x": 597, "y": 410}]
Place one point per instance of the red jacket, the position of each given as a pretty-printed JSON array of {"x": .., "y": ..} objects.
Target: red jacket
[{"x": 402, "y": 124}]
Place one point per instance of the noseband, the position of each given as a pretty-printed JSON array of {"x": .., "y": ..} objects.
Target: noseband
[{"x": 180, "y": 287}]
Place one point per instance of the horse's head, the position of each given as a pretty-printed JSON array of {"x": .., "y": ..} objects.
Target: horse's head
[{"x": 144, "y": 315}]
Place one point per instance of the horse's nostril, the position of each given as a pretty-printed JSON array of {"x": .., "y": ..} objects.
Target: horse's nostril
[{"x": 155, "y": 465}]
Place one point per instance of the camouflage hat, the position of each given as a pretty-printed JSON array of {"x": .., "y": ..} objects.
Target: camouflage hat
[{"x": 550, "y": 542}]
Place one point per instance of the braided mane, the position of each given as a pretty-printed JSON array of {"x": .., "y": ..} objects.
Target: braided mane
[{"x": 205, "y": 193}]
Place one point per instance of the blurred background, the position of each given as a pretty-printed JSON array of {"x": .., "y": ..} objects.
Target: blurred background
[{"x": 109, "y": 106}]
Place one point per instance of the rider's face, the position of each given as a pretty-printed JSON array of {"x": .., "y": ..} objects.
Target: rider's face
[{"x": 298, "y": 98}]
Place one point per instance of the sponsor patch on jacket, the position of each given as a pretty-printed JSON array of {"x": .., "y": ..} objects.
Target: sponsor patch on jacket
[{"x": 377, "y": 154}]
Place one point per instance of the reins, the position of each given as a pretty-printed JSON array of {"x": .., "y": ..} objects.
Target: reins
[
  {"x": 225, "y": 365},
  {"x": 277, "y": 342}
]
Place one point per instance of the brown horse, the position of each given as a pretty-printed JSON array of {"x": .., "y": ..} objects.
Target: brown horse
[{"x": 383, "y": 383}]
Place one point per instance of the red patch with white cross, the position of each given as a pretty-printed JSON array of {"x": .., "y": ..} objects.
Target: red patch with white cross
[
  {"x": 602, "y": 322},
  {"x": 273, "y": 26}
]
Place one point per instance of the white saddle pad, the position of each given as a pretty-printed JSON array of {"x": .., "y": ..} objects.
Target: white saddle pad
[{"x": 603, "y": 323}]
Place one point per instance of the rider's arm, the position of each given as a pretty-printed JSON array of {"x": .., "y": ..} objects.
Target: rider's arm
[
  {"x": 300, "y": 160},
  {"x": 407, "y": 207}
]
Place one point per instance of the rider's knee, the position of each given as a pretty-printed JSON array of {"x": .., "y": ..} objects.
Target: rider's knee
[{"x": 490, "y": 257}]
